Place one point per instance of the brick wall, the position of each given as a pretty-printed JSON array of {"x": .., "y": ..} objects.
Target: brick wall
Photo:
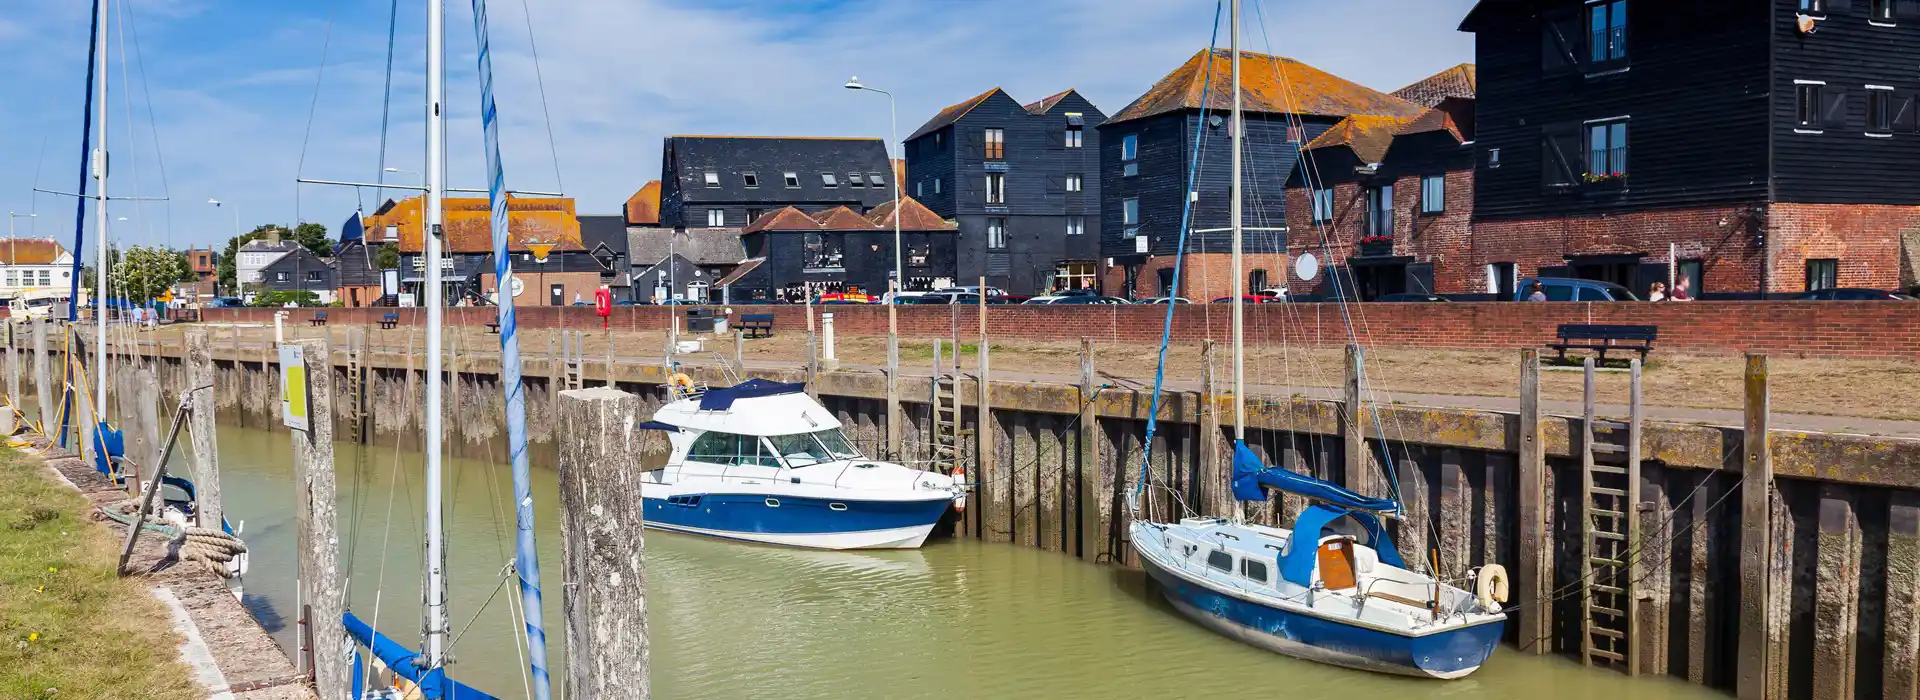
[
  {"x": 1446, "y": 239},
  {"x": 1205, "y": 276},
  {"x": 1882, "y": 330},
  {"x": 1720, "y": 237},
  {"x": 1864, "y": 238}
]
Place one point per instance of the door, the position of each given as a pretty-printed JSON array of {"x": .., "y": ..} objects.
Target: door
[
  {"x": 1336, "y": 564},
  {"x": 557, "y": 295},
  {"x": 1166, "y": 282},
  {"x": 1420, "y": 278}
]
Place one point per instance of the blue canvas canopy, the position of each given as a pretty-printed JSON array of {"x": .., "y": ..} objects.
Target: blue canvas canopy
[
  {"x": 657, "y": 425},
  {"x": 1303, "y": 551},
  {"x": 434, "y": 683},
  {"x": 722, "y": 399},
  {"x": 1251, "y": 476}
]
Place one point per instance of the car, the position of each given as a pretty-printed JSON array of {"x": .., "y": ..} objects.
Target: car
[
  {"x": 1009, "y": 299},
  {"x": 1410, "y": 296},
  {"x": 1850, "y": 294},
  {"x": 975, "y": 289},
  {"x": 1249, "y": 299},
  {"x": 1165, "y": 300},
  {"x": 1042, "y": 300},
  {"x": 945, "y": 298},
  {"x": 1570, "y": 289},
  {"x": 1076, "y": 293},
  {"x": 1081, "y": 300}
]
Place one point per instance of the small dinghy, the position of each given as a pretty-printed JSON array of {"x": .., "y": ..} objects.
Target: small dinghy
[{"x": 763, "y": 462}]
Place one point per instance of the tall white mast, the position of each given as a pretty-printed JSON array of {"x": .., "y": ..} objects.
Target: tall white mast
[
  {"x": 100, "y": 226},
  {"x": 1239, "y": 279},
  {"x": 436, "y": 593}
]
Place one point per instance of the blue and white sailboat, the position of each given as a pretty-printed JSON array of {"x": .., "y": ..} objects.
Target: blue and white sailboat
[{"x": 1333, "y": 588}]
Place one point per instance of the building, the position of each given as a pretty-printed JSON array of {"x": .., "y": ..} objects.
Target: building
[
  {"x": 1147, "y": 156},
  {"x": 730, "y": 181},
  {"x": 1021, "y": 182},
  {"x": 543, "y": 235},
  {"x": 205, "y": 264},
  {"x": 793, "y": 255},
  {"x": 253, "y": 256},
  {"x": 1386, "y": 203},
  {"x": 35, "y": 267},
  {"x": 681, "y": 264},
  {"x": 643, "y": 208},
  {"x": 1749, "y": 147},
  {"x": 299, "y": 270}
]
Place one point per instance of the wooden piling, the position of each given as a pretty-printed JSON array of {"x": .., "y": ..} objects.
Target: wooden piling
[
  {"x": 1700, "y": 609},
  {"x": 1216, "y": 496},
  {"x": 1757, "y": 625},
  {"x": 813, "y": 360},
  {"x": 9, "y": 423},
  {"x": 1535, "y": 574},
  {"x": 42, "y": 379},
  {"x": 604, "y": 550},
  {"x": 1049, "y": 468},
  {"x": 144, "y": 446},
  {"x": 1455, "y": 535},
  {"x": 201, "y": 428},
  {"x": 1901, "y": 675},
  {"x": 895, "y": 419},
  {"x": 1836, "y": 604},
  {"x": 1654, "y": 584},
  {"x": 321, "y": 585},
  {"x": 996, "y": 520},
  {"x": 1353, "y": 427},
  {"x": 1023, "y": 462},
  {"x": 1096, "y": 485}
]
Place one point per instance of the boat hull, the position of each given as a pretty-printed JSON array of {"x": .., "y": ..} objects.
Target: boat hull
[
  {"x": 799, "y": 521},
  {"x": 1451, "y": 654}
]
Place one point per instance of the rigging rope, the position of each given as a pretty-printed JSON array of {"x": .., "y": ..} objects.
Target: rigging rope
[
  {"x": 319, "y": 76},
  {"x": 386, "y": 104}
]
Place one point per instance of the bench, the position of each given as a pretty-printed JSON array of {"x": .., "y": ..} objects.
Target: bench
[
  {"x": 756, "y": 325},
  {"x": 493, "y": 326},
  {"x": 319, "y": 319},
  {"x": 1602, "y": 338},
  {"x": 390, "y": 320}
]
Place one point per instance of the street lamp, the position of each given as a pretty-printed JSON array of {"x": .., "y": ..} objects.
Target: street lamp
[
  {"x": 899, "y": 273},
  {"x": 236, "y": 214},
  {"x": 399, "y": 170}
]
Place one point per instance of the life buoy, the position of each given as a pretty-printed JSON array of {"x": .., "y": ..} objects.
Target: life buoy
[
  {"x": 681, "y": 381},
  {"x": 1492, "y": 586},
  {"x": 960, "y": 483}
]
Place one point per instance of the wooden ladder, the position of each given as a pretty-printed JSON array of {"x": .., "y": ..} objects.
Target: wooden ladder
[
  {"x": 947, "y": 402},
  {"x": 356, "y": 386},
  {"x": 1610, "y": 497},
  {"x": 575, "y": 349}
]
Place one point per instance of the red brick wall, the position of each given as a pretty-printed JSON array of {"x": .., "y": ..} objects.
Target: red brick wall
[
  {"x": 1204, "y": 277},
  {"x": 1886, "y": 330},
  {"x": 1719, "y": 236},
  {"x": 1446, "y": 239},
  {"x": 1865, "y": 239}
]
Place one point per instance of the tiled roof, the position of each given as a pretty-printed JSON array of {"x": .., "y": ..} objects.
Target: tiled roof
[
  {"x": 1272, "y": 84},
  {"x": 951, "y": 114},
  {"x": 914, "y": 217},
  {"x": 468, "y": 223},
  {"x": 783, "y": 219},
  {"x": 1457, "y": 82},
  {"x": 1368, "y": 136},
  {"x": 643, "y": 208},
  {"x": 1430, "y": 121},
  {"x": 31, "y": 251},
  {"x": 1046, "y": 105},
  {"x": 739, "y": 271},
  {"x": 841, "y": 219}
]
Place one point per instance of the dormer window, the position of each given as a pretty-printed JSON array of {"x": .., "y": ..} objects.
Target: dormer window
[
  {"x": 713, "y": 179},
  {"x": 751, "y": 178},
  {"x": 828, "y": 180},
  {"x": 854, "y": 180},
  {"x": 793, "y": 179},
  {"x": 873, "y": 180}
]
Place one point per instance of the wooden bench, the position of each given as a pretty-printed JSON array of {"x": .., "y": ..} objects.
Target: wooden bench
[
  {"x": 1603, "y": 338},
  {"x": 493, "y": 326},
  {"x": 757, "y": 325},
  {"x": 319, "y": 319},
  {"x": 390, "y": 320}
]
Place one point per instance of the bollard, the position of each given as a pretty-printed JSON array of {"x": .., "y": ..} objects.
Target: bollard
[
  {"x": 826, "y": 344},
  {"x": 319, "y": 539},
  {"x": 279, "y": 330},
  {"x": 603, "y": 551}
]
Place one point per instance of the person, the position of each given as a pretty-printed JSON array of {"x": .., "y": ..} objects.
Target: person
[
  {"x": 1658, "y": 292},
  {"x": 1680, "y": 289},
  {"x": 1536, "y": 292}
]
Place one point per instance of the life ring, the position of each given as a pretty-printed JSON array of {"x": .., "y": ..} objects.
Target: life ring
[
  {"x": 1492, "y": 586},
  {"x": 681, "y": 381}
]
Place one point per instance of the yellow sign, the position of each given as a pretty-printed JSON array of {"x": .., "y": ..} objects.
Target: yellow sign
[
  {"x": 540, "y": 250},
  {"x": 293, "y": 387}
]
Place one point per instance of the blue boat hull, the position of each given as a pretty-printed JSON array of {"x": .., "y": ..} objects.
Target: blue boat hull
[
  {"x": 798, "y": 521},
  {"x": 1450, "y": 654}
]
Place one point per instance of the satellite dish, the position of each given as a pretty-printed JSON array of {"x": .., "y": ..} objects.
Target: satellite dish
[
  {"x": 1216, "y": 121},
  {"x": 519, "y": 285},
  {"x": 1306, "y": 267}
]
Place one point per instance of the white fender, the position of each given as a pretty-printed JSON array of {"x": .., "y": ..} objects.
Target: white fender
[{"x": 1491, "y": 588}]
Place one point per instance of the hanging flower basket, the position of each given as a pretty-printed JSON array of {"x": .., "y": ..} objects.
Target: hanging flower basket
[{"x": 1376, "y": 246}]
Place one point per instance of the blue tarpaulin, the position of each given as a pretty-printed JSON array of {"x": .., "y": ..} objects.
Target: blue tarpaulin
[
  {"x": 722, "y": 399},
  {"x": 1251, "y": 477},
  {"x": 1303, "y": 553},
  {"x": 434, "y": 684}
]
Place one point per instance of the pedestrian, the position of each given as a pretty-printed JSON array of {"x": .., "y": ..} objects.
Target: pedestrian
[
  {"x": 1537, "y": 292},
  {"x": 1658, "y": 292},
  {"x": 1680, "y": 289}
]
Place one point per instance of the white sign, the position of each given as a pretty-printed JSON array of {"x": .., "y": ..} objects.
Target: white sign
[{"x": 1306, "y": 266}]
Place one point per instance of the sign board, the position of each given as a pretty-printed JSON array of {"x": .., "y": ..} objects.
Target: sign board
[
  {"x": 389, "y": 282},
  {"x": 293, "y": 387}
]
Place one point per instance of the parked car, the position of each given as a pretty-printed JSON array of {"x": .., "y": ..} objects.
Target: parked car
[
  {"x": 1081, "y": 300},
  {"x": 946, "y": 298},
  {"x": 1009, "y": 299},
  {"x": 1042, "y": 300},
  {"x": 1250, "y": 299},
  {"x": 1411, "y": 296},
  {"x": 1848, "y": 294},
  {"x": 1165, "y": 300},
  {"x": 1569, "y": 289}
]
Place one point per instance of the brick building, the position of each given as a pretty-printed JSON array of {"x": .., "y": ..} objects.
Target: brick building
[
  {"x": 536, "y": 227},
  {"x": 1771, "y": 142}
]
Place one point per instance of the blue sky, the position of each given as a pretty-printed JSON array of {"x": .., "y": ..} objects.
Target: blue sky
[{"x": 221, "y": 90}]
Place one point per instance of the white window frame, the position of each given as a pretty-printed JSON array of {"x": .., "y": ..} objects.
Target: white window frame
[
  {"x": 792, "y": 179},
  {"x": 996, "y": 188},
  {"x": 996, "y": 233},
  {"x": 1433, "y": 194},
  {"x": 1322, "y": 208},
  {"x": 1130, "y": 147},
  {"x": 750, "y": 178},
  {"x": 712, "y": 178},
  {"x": 920, "y": 188},
  {"x": 716, "y": 218},
  {"x": 1075, "y": 183},
  {"x": 874, "y": 180},
  {"x": 1076, "y": 225},
  {"x": 936, "y": 185},
  {"x": 1076, "y": 137},
  {"x": 856, "y": 180},
  {"x": 829, "y": 180}
]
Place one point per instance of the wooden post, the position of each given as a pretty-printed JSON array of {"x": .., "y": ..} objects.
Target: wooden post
[
  {"x": 740, "y": 351},
  {"x": 145, "y": 398},
  {"x": 1836, "y": 610},
  {"x": 200, "y": 428},
  {"x": 1757, "y": 627},
  {"x": 42, "y": 379},
  {"x": 363, "y": 365},
  {"x": 1901, "y": 678},
  {"x": 319, "y": 538},
  {"x": 895, "y": 420},
  {"x": 997, "y": 520},
  {"x": 1535, "y": 574},
  {"x": 1353, "y": 429},
  {"x": 603, "y": 548},
  {"x": 1096, "y": 487},
  {"x": 1215, "y": 495},
  {"x": 813, "y": 362}
]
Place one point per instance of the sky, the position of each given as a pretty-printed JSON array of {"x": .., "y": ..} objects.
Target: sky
[{"x": 234, "y": 100}]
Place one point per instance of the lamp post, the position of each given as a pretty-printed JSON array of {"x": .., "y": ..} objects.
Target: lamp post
[
  {"x": 899, "y": 274},
  {"x": 408, "y": 172},
  {"x": 236, "y": 214}
]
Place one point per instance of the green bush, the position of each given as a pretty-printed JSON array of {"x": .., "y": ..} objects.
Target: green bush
[{"x": 280, "y": 298}]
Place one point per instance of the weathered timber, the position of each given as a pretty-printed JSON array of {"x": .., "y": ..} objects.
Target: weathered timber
[
  {"x": 1216, "y": 495},
  {"x": 1837, "y": 595},
  {"x": 201, "y": 428},
  {"x": 1353, "y": 432},
  {"x": 8, "y": 422},
  {"x": 322, "y": 589},
  {"x": 895, "y": 419},
  {"x": 1756, "y": 539},
  {"x": 1901, "y": 675},
  {"x": 1049, "y": 470},
  {"x": 604, "y": 549},
  {"x": 42, "y": 379},
  {"x": 1535, "y": 574},
  {"x": 1096, "y": 479}
]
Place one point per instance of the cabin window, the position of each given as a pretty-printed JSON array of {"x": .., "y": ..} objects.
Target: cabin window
[
  {"x": 996, "y": 144},
  {"x": 1879, "y": 109},
  {"x": 1220, "y": 560},
  {"x": 1823, "y": 274},
  {"x": 854, "y": 180},
  {"x": 799, "y": 450},
  {"x": 829, "y": 180},
  {"x": 1880, "y": 11},
  {"x": 1253, "y": 570},
  {"x": 996, "y": 188},
  {"x": 1076, "y": 225},
  {"x": 716, "y": 218},
  {"x": 1606, "y": 151},
  {"x": 751, "y": 178},
  {"x": 1322, "y": 205},
  {"x": 713, "y": 179},
  {"x": 1433, "y": 194},
  {"x": 1607, "y": 32},
  {"x": 1074, "y": 182},
  {"x": 1380, "y": 211},
  {"x": 996, "y": 233},
  {"x": 873, "y": 180},
  {"x": 793, "y": 179},
  {"x": 1130, "y": 154},
  {"x": 1076, "y": 137},
  {"x": 725, "y": 449}
]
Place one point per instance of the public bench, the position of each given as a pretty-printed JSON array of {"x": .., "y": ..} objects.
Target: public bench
[
  {"x": 1602, "y": 338},
  {"x": 493, "y": 325},
  {"x": 757, "y": 325},
  {"x": 319, "y": 319},
  {"x": 390, "y": 320}
]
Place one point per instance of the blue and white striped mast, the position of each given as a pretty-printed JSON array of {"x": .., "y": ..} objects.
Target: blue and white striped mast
[{"x": 526, "y": 558}]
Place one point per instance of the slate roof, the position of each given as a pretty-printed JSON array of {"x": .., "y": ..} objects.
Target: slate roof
[
  {"x": 1046, "y": 104},
  {"x": 647, "y": 246},
  {"x": 1368, "y": 136},
  {"x": 1271, "y": 84},
  {"x": 31, "y": 251},
  {"x": 596, "y": 229},
  {"x": 1457, "y": 82},
  {"x": 643, "y": 208},
  {"x": 769, "y": 158},
  {"x": 946, "y": 117}
]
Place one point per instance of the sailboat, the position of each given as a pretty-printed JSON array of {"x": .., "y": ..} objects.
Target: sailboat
[{"x": 1333, "y": 588}]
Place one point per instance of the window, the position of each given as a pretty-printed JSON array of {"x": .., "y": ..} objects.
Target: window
[
  {"x": 277, "y": 276},
  {"x": 1693, "y": 273},
  {"x": 1257, "y": 280},
  {"x": 1807, "y": 113},
  {"x": 1130, "y": 154},
  {"x": 1880, "y": 11},
  {"x": 1076, "y": 137},
  {"x": 716, "y": 218},
  {"x": 996, "y": 233},
  {"x": 13, "y": 278},
  {"x": 920, "y": 188},
  {"x": 918, "y": 254},
  {"x": 1433, "y": 194},
  {"x": 996, "y": 144},
  {"x": 754, "y": 215},
  {"x": 854, "y": 180},
  {"x": 730, "y": 449},
  {"x": 46, "y": 277},
  {"x": 313, "y": 276},
  {"x": 1254, "y": 570},
  {"x": 1879, "y": 110},
  {"x": 940, "y": 140},
  {"x": 751, "y": 178},
  {"x": 793, "y": 179},
  {"x": 829, "y": 180},
  {"x": 1322, "y": 205},
  {"x": 1606, "y": 151},
  {"x": 713, "y": 179},
  {"x": 1076, "y": 225},
  {"x": 1130, "y": 215},
  {"x": 1813, "y": 6},
  {"x": 1074, "y": 183},
  {"x": 1493, "y": 158},
  {"x": 873, "y": 180},
  {"x": 996, "y": 188},
  {"x": 393, "y": 233},
  {"x": 1220, "y": 560},
  {"x": 1607, "y": 32},
  {"x": 1502, "y": 277},
  {"x": 823, "y": 251},
  {"x": 1823, "y": 274},
  {"x": 936, "y": 185},
  {"x": 1380, "y": 211}
]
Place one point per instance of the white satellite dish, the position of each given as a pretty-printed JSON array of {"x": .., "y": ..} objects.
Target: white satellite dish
[
  {"x": 518, "y": 285},
  {"x": 1306, "y": 267}
]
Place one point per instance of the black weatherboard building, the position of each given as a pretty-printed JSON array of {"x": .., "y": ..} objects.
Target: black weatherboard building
[
  {"x": 729, "y": 181},
  {"x": 301, "y": 270},
  {"x": 1023, "y": 184}
]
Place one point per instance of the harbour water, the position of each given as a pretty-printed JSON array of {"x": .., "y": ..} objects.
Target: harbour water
[{"x": 956, "y": 619}]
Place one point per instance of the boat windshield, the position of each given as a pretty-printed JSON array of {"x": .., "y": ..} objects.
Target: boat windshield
[{"x": 804, "y": 449}]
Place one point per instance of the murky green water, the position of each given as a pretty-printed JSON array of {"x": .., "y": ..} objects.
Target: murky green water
[{"x": 953, "y": 620}]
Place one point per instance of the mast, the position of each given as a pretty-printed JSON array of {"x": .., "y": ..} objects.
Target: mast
[
  {"x": 100, "y": 223},
  {"x": 435, "y": 624},
  {"x": 1234, "y": 211}
]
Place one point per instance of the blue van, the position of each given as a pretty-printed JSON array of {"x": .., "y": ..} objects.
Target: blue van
[{"x": 1569, "y": 289}]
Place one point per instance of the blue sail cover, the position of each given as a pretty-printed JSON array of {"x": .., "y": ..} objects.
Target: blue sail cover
[
  {"x": 434, "y": 684},
  {"x": 1250, "y": 475},
  {"x": 1296, "y": 565},
  {"x": 722, "y": 399}
]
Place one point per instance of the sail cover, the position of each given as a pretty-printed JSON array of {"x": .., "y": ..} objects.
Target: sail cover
[
  {"x": 722, "y": 399},
  {"x": 1251, "y": 476}
]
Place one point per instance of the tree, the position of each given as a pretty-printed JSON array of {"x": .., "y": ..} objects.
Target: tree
[
  {"x": 280, "y": 297},
  {"x": 388, "y": 257},
  {"x": 314, "y": 237},
  {"x": 142, "y": 274},
  {"x": 186, "y": 268}
]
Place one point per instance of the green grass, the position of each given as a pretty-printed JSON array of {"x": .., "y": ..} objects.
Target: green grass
[{"x": 70, "y": 628}]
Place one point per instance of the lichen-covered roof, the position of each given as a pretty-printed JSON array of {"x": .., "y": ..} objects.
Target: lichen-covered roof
[
  {"x": 1046, "y": 104},
  {"x": 1430, "y": 121},
  {"x": 914, "y": 216},
  {"x": 1457, "y": 82},
  {"x": 782, "y": 219},
  {"x": 643, "y": 208},
  {"x": 948, "y": 116},
  {"x": 1368, "y": 136},
  {"x": 31, "y": 251},
  {"x": 841, "y": 219},
  {"x": 1272, "y": 84},
  {"x": 468, "y": 224}
]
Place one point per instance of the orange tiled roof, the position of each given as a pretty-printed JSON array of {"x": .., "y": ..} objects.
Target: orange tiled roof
[
  {"x": 643, "y": 208},
  {"x": 914, "y": 217},
  {"x": 1460, "y": 81},
  {"x": 1430, "y": 121},
  {"x": 917, "y": 217},
  {"x": 468, "y": 223},
  {"x": 31, "y": 251},
  {"x": 1273, "y": 84},
  {"x": 782, "y": 219},
  {"x": 841, "y": 219},
  {"x": 1368, "y": 136},
  {"x": 951, "y": 114}
]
